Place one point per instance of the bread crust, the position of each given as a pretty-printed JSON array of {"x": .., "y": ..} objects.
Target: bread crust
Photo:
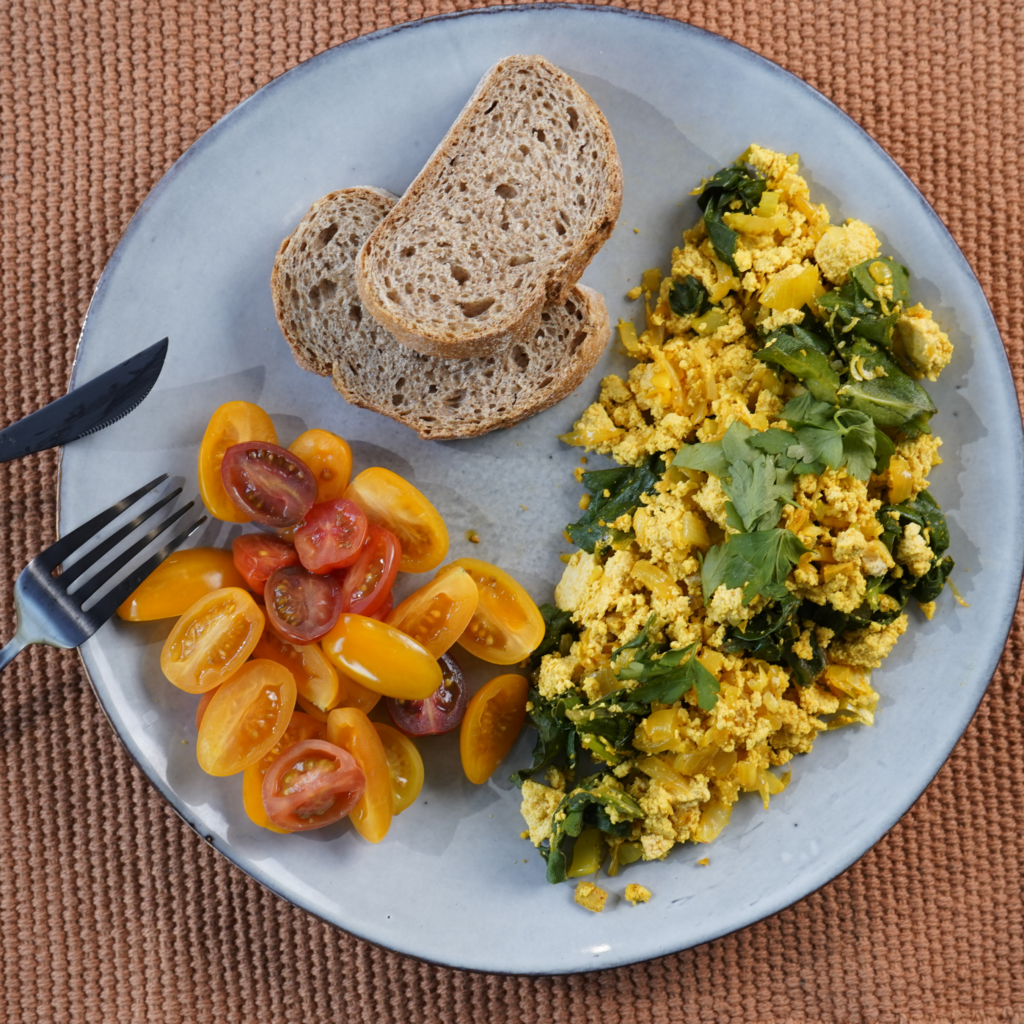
[
  {"x": 459, "y": 268},
  {"x": 320, "y": 315}
]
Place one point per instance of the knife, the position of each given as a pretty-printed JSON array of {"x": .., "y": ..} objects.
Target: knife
[{"x": 86, "y": 409}]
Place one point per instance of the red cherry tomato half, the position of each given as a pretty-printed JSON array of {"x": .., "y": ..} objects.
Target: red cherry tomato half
[
  {"x": 268, "y": 483},
  {"x": 313, "y": 783},
  {"x": 384, "y": 610},
  {"x": 258, "y": 555},
  {"x": 369, "y": 581},
  {"x": 441, "y": 712},
  {"x": 302, "y": 607},
  {"x": 331, "y": 536}
]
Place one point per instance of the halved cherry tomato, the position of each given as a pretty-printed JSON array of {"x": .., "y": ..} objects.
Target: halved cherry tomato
[
  {"x": 507, "y": 625},
  {"x": 268, "y": 483},
  {"x": 315, "y": 677},
  {"x": 302, "y": 607},
  {"x": 330, "y": 459},
  {"x": 211, "y": 640},
  {"x": 382, "y": 613},
  {"x": 351, "y": 730},
  {"x": 331, "y": 535},
  {"x": 441, "y": 712},
  {"x": 368, "y": 582},
  {"x": 390, "y": 501},
  {"x": 350, "y": 695},
  {"x": 438, "y": 614},
  {"x": 492, "y": 723},
  {"x": 312, "y": 784},
  {"x": 231, "y": 424},
  {"x": 204, "y": 703},
  {"x": 404, "y": 764},
  {"x": 257, "y": 555},
  {"x": 246, "y": 717},
  {"x": 300, "y": 727},
  {"x": 178, "y": 582},
  {"x": 381, "y": 658}
]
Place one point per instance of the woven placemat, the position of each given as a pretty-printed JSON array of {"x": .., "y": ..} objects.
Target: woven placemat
[{"x": 111, "y": 909}]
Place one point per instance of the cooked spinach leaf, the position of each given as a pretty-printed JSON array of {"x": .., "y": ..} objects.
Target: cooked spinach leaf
[
  {"x": 599, "y": 801},
  {"x": 737, "y": 187},
  {"x": 665, "y": 677},
  {"x": 556, "y": 734},
  {"x": 688, "y": 297},
  {"x": 557, "y": 624},
  {"x": 766, "y": 632},
  {"x": 624, "y": 486},
  {"x": 894, "y": 401},
  {"x": 807, "y": 356}
]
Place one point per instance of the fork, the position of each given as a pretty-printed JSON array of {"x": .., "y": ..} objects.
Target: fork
[{"x": 49, "y": 614}]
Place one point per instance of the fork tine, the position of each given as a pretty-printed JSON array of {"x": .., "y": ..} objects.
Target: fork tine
[
  {"x": 104, "y": 609},
  {"x": 109, "y": 571},
  {"x": 57, "y": 552},
  {"x": 69, "y": 575}
]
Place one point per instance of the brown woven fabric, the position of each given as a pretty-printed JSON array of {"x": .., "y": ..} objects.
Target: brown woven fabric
[{"x": 111, "y": 909}]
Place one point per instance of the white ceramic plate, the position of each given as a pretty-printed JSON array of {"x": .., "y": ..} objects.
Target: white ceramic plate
[{"x": 453, "y": 882}]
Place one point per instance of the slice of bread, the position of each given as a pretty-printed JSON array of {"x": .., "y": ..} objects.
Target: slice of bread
[
  {"x": 501, "y": 222},
  {"x": 329, "y": 332}
]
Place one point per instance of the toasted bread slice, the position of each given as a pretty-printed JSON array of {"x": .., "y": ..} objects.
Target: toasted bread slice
[
  {"x": 501, "y": 222},
  {"x": 329, "y": 333}
]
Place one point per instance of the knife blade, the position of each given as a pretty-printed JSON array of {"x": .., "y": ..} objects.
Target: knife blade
[{"x": 86, "y": 409}]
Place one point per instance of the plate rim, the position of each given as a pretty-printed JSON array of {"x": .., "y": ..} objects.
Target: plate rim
[{"x": 1006, "y": 383}]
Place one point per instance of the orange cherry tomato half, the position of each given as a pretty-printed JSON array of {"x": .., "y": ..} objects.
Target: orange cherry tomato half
[
  {"x": 302, "y": 607},
  {"x": 507, "y": 626},
  {"x": 231, "y": 424},
  {"x": 312, "y": 784},
  {"x": 350, "y": 695},
  {"x": 268, "y": 483},
  {"x": 390, "y": 501},
  {"x": 492, "y": 723},
  {"x": 331, "y": 535},
  {"x": 381, "y": 658},
  {"x": 330, "y": 459},
  {"x": 438, "y": 614},
  {"x": 404, "y": 764},
  {"x": 246, "y": 717},
  {"x": 367, "y": 584},
  {"x": 315, "y": 677},
  {"x": 300, "y": 727},
  {"x": 211, "y": 640},
  {"x": 178, "y": 582},
  {"x": 351, "y": 730},
  {"x": 257, "y": 555},
  {"x": 204, "y": 703}
]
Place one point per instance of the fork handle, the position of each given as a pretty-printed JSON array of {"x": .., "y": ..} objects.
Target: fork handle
[{"x": 8, "y": 653}]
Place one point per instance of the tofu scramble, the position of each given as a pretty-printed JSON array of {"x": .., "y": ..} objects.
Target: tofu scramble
[{"x": 751, "y": 560}]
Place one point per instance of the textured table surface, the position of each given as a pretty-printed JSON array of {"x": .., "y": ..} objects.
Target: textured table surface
[{"x": 111, "y": 909}]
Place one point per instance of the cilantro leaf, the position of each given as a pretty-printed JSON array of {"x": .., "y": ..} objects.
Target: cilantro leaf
[
  {"x": 758, "y": 562},
  {"x": 829, "y": 436},
  {"x": 757, "y": 492},
  {"x": 707, "y": 457},
  {"x": 666, "y": 678},
  {"x": 625, "y": 486}
]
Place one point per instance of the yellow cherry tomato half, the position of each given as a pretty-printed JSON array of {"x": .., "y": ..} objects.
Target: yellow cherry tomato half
[
  {"x": 394, "y": 503},
  {"x": 492, "y": 723},
  {"x": 381, "y": 658},
  {"x": 438, "y": 614},
  {"x": 300, "y": 727},
  {"x": 246, "y": 718},
  {"x": 315, "y": 677},
  {"x": 178, "y": 582},
  {"x": 232, "y": 423},
  {"x": 351, "y": 730},
  {"x": 212, "y": 639},
  {"x": 507, "y": 625},
  {"x": 350, "y": 695},
  {"x": 404, "y": 763},
  {"x": 329, "y": 457}
]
